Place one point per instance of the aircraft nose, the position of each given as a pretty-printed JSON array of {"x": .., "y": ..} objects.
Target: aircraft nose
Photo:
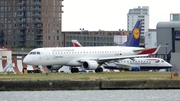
[{"x": 27, "y": 60}]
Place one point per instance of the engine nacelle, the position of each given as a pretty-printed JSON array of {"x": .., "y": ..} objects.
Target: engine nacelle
[
  {"x": 53, "y": 67},
  {"x": 135, "y": 68},
  {"x": 90, "y": 65}
]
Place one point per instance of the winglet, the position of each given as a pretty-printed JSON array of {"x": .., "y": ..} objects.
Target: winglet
[{"x": 157, "y": 49}]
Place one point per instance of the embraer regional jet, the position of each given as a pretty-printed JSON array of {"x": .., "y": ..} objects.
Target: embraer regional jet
[
  {"x": 138, "y": 64},
  {"x": 88, "y": 57}
]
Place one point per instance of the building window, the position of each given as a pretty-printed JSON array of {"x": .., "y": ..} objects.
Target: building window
[
  {"x": 2, "y": 20},
  {"x": 2, "y": 8},
  {"x": 54, "y": 2},
  {"x": 176, "y": 17},
  {"x": 14, "y": 43},
  {"x": 32, "y": 37},
  {"x": 5, "y": 26},
  {"x": 9, "y": 31},
  {"x": 28, "y": 13},
  {"x": 32, "y": 43},
  {"x": 46, "y": 2},
  {"x": 9, "y": 8},
  {"x": 28, "y": 37},
  {"x": 9, "y": 25},
  {"x": 2, "y": 3},
  {"x": 2, "y": 14},
  {"x": 28, "y": 20}
]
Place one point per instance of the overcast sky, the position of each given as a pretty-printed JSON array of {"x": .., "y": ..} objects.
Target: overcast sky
[{"x": 111, "y": 15}]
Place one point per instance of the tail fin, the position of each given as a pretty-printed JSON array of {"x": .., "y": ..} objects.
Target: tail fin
[
  {"x": 134, "y": 38},
  {"x": 75, "y": 43}
]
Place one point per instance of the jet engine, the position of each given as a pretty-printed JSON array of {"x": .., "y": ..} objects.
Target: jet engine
[
  {"x": 90, "y": 65},
  {"x": 135, "y": 68}
]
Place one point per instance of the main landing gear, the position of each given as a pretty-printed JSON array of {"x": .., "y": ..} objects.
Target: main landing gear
[
  {"x": 99, "y": 69},
  {"x": 74, "y": 70}
]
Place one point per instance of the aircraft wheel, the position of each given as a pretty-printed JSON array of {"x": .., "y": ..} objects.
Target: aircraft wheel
[
  {"x": 96, "y": 70},
  {"x": 72, "y": 70},
  {"x": 100, "y": 70},
  {"x": 76, "y": 70}
]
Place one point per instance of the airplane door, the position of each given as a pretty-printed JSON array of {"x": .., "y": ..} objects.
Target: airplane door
[{"x": 47, "y": 52}]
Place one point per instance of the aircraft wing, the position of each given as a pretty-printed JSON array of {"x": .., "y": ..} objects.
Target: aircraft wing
[
  {"x": 121, "y": 57},
  {"x": 107, "y": 59},
  {"x": 116, "y": 65}
]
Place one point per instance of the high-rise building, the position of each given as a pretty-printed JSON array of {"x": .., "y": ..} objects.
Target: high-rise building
[
  {"x": 175, "y": 17},
  {"x": 135, "y": 14},
  {"x": 28, "y": 23}
]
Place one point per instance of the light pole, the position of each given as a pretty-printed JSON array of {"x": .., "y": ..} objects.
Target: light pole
[
  {"x": 166, "y": 50},
  {"x": 81, "y": 29},
  {"x": 22, "y": 52}
]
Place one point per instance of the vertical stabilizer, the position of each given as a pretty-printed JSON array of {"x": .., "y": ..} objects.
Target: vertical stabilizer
[{"x": 134, "y": 38}]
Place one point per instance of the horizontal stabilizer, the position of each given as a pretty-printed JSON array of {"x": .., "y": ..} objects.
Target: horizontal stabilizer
[{"x": 151, "y": 50}]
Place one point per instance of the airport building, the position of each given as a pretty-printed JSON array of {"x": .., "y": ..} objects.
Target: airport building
[
  {"x": 151, "y": 38},
  {"x": 120, "y": 39},
  {"x": 135, "y": 14},
  {"x": 31, "y": 23},
  {"x": 93, "y": 38},
  {"x": 168, "y": 36}
]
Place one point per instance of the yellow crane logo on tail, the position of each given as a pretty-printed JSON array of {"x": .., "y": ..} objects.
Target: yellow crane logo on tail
[{"x": 136, "y": 33}]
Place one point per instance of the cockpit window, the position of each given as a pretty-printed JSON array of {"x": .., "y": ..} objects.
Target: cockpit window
[
  {"x": 38, "y": 53},
  {"x": 32, "y": 53},
  {"x": 162, "y": 61}
]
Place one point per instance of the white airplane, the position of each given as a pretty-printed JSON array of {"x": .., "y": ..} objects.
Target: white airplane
[
  {"x": 138, "y": 64},
  {"x": 88, "y": 57}
]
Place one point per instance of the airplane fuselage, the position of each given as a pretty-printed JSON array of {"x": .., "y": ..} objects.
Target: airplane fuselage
[
  {"x": 143, "y": 63},
  {"x": 71, "y": 55}
]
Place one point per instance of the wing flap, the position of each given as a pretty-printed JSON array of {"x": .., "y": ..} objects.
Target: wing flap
[{"x": 121, "y": 57}]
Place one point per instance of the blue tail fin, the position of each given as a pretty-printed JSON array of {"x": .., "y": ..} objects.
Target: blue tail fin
[{"x": 134, "y": 38}]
